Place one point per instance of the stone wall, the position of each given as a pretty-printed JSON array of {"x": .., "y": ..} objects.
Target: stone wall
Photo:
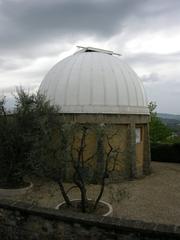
[{"x": 23, "y": 221}]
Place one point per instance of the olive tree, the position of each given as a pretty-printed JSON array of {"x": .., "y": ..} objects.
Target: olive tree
[{"x": 19, "y": 132}]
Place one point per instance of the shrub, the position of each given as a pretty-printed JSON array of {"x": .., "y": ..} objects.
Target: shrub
[
  {"x": 166, "y": 152},
  {"x": 19, "y": 133}
]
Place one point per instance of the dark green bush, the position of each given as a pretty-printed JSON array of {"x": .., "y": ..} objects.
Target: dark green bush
[
  {"x": 20, "y": 133},
  {"x": 165, "y": 152}
]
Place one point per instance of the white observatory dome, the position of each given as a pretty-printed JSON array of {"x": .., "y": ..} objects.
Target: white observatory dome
[{"x": 94, "y": 81}]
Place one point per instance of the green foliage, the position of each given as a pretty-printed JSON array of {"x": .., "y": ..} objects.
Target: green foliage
[
  {"x": 166, "y": 152},
  {"x": 173, "y": 139},
  {"x": 159, "y": 132},
  {"x": 165, "y": 146},
  {"x": 152, "y": 106},
  {"x": 19, "y": 133},
  {"x": 174, "y": 125},
  {"x": 35, "y": 140}
]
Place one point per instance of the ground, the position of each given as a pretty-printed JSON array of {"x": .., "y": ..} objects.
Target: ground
[{"x": 155, "y": 198}]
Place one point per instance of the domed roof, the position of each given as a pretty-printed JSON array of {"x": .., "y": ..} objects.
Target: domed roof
[{"x": 95, "y": 81}]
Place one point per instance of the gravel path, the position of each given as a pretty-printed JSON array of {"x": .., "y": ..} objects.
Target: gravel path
[{"x": 153, "y": 198}]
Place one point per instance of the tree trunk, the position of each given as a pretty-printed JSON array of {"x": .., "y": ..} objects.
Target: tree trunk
[
  {"x": 65, "y": 196},
  {"x": 80, "y": 185}
]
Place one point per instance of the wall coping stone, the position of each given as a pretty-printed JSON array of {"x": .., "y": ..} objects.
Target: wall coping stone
[{"x": 115, "y": 224}]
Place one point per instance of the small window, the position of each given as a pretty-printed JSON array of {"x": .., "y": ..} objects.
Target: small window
[{"x": 138, "y": 135}]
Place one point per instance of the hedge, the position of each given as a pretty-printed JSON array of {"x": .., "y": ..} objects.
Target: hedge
[{"x": 165, "y": 152}]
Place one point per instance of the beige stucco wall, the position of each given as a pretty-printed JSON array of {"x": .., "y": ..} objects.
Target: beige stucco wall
[{"x": 131, "y": 159}]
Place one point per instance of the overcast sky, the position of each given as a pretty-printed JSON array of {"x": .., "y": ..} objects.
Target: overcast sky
[{"x": 35, "y": 34}]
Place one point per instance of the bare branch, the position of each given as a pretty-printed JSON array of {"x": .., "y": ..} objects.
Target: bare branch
[
  {"x": 91, "y": 157},
  {"x": 69, "y": 189},
  {"x": 65, "y": 196}
]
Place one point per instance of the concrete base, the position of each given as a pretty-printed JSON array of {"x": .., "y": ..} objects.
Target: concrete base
[
  {"x": 109, "y": 213},
  {"x": 12, "y": 192}
]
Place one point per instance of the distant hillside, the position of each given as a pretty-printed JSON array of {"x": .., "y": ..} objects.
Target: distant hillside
[
  {"x": 171, "y": 120},
  {"x": 168, "y": 116}
]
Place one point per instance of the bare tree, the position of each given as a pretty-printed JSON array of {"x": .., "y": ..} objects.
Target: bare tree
[
  {"x": 80, "y": 160},
  {"x": 72, "y": 148}
]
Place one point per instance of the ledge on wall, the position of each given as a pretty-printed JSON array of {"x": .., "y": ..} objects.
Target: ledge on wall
[{"x": 77, "y": 225}]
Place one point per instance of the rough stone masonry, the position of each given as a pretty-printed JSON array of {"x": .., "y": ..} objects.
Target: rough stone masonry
[{"x": 21, "y": 221}]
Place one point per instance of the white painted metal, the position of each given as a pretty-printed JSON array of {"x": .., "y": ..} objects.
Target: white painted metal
[
  {"x": 95, "y": 82},
  {"x": 84, "y": 49}
]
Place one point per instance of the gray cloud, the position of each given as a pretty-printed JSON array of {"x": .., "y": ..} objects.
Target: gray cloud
[
  {"x": 8, "y": 90},
  {"x": 152, "y": 58},
  {"x": 45, "y": 28},
  {"x": 27, "y": 23},
  {"x": 165, "y": 94},
  {"x": 152, "y": 77},
  {"x": 31, "y": 24}
]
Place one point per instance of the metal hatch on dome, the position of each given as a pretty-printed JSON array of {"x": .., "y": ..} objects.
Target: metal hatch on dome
[{"x": 92, "y": 49}]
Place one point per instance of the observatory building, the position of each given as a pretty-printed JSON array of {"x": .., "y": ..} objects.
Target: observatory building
[{"x": 96, "y": 87}]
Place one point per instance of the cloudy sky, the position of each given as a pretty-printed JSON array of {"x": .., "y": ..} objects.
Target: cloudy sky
[{"x": 35, "y": 34}]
